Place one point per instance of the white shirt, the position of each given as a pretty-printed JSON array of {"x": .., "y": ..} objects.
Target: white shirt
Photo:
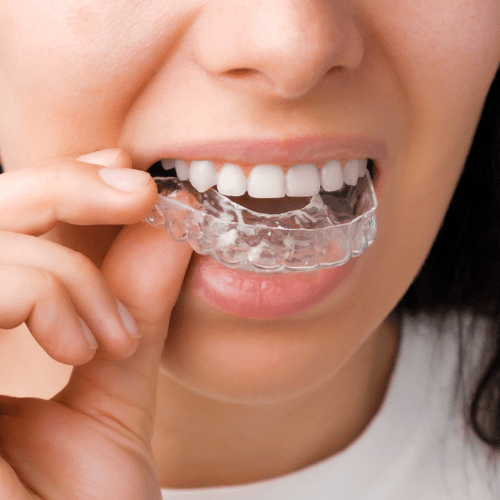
[{"x": 417, "y": 447}]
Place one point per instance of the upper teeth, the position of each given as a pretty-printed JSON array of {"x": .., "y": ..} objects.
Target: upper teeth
[{"x": 269, "y": 181}]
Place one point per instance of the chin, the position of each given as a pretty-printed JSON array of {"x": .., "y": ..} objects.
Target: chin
[{"x": 255, "y": 361}]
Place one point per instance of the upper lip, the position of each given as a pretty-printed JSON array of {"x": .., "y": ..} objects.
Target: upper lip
[{"x": 288, "y": 151}]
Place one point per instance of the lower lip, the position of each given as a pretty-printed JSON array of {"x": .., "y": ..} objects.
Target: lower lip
[{"x": 252, "y": 295}]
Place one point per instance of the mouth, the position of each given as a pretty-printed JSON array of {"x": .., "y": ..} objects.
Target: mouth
[
  {"x": 327, "y": 232},
  {"x": 270, "y": 218}
]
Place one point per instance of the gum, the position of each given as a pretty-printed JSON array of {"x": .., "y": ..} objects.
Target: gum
[{"x": 330, "y": 230}]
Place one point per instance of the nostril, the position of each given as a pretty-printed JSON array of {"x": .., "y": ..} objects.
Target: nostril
[
  {"x": 240, "y": 72},
  {"x": 334, "y": 70}
]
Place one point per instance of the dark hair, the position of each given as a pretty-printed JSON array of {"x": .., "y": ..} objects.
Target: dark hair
[{"x": 462, "y": 271}]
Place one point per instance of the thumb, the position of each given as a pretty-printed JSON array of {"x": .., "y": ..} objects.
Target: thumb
[{"x": 145, "y": 268}]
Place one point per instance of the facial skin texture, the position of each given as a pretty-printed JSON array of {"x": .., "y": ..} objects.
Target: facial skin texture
[{"x": 82, "y": 75}]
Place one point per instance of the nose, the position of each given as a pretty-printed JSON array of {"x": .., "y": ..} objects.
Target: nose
[{"x": 285, "y": 47}]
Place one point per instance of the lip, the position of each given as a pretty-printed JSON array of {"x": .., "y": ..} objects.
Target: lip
[
  {"x": 251, "y": 295},
  {"x": 290, "y": 151}
]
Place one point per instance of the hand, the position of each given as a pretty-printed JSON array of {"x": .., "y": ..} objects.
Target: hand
[{"x": 92, "y": 440}]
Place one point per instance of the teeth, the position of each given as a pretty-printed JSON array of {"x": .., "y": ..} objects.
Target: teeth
[
  {"x": 202, "y": 175},
  {"x": 182, "y": 170},
  {"x": 267, "y": 180},
  {"x": 332, "y": 178},
  {"x": 231, "y": 180},
  {"x": 351, "y": 172},
  {"x": 302, "y": 180},
  {"x": 168, "y": 163},
  {"x": 363, "y": 166}
]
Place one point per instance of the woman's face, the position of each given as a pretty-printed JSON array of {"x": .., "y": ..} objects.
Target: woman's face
[{"x": 403, "y": 81}]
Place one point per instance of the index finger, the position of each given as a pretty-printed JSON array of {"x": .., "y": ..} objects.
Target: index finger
[{"x": 33, "y": 199}]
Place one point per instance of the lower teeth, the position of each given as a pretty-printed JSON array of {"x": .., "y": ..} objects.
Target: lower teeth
[{"x": 331, "y": 229}]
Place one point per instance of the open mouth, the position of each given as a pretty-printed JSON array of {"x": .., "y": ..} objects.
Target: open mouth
[{"x": 269, "y": 218}]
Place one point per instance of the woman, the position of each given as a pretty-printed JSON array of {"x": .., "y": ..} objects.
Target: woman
[{"x": 331, "y": 395}]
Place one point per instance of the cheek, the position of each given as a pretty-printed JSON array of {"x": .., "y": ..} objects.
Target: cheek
[
  {"x": 76, "y": 66},
  {"x": 444, "y": 56},
  {"x": 78, "y": 44},
  {"x": 442, "y": 49}
]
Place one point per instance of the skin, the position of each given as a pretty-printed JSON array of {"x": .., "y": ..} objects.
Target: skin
[{"x": 78, "y": 76}]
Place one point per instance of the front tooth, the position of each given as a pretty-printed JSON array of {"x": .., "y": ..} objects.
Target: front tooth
[
  {"x": 302, "y": 180},
  {"x": 266, "y": 181},
  {"x": 202, "y": 175},
  {"x": 351, "y": 172},
  {"x": 332, "y": 178},
  {"x": 231, "y": 180}
]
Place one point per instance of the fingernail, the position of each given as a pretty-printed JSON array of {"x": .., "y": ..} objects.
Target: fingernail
[
  {"x": 104, "y": 157},
  {"x": 125, "y": 179},
  {"x": 128, "y": 321},
  {"x": 89, "y": 337}
]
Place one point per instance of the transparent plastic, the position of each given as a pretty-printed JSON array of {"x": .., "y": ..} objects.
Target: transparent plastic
[{"x": 331, "y": 229}]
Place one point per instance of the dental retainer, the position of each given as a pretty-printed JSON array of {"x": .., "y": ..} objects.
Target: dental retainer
[{"x": 327, "y": 232}]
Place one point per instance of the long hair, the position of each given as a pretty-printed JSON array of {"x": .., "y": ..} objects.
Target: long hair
[{"x": 462, "y": 271}]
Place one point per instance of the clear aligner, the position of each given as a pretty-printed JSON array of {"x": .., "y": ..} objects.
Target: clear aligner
[{"x": 331, "y": 229}]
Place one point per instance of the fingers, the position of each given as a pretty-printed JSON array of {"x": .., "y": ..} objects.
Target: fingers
[
  {"x": 59, "y": 293},
  {"x": 39, "y": 299},
  {"x": 126, "y": 389},
  {"x": 10, "y": 485},
  {"x": 86, "y": 293},
  {"x": 33, "y": 199}
]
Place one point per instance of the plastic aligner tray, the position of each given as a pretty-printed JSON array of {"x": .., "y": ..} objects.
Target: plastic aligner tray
[{"x": 331, "y": 229}]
